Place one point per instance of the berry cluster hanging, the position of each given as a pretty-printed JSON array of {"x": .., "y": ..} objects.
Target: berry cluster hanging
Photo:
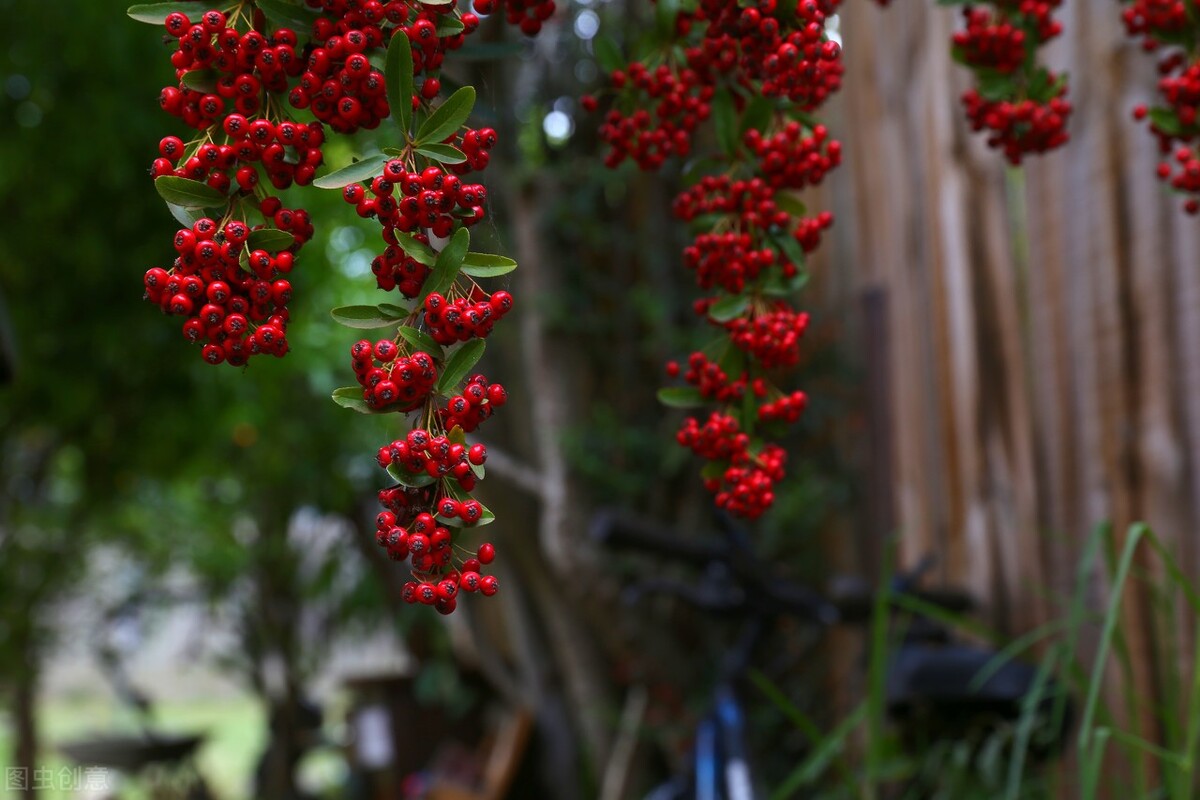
[
  {"x": 260, "y": 82},
  {"x": 756, "y": 70},
  {"x": 1171, "y": 28},
  {"x": 1021, "y": 104}
]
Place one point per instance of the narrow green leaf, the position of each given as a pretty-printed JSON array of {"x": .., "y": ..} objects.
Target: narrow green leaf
[
  {"x": 289, "y": 15},
  {"x": 1165, "y": 121},
  {"x": 413, "y": 480},
  {"x": 459, "y": 364},
  {"x": 416, "y": 249},
  {"x": 398, "y": 75},
  {"x": 791, "y": 204},
  {"x": 457, "y": 435},
  {"x": 665, "y": 12},
  {"x": 363, "y": 317},
  {"x": 394, "y": 311},
  {"x": 448, "y": 117},
  {"x": 367, "y": 168},
  {"x": 188, "y": 193},
  {"x": 446, "y": 268},
  {"x": 725, "y": 121},
  {"x": 201, "y": 80},
  {"x": 487, "y": 265},
  {"x": 790, "y": 248},
  {"x": 728, "y": 307},
  {"x": 422, "y": 341},
  {"x": 486, "y": 518},
  {"x": 681, "y": 397},
  {"x": 352, "y": 397},
  {"x": 270, "y": 239},
  {"x": 449, "y": 26},
  {"x": 608, "y": 55},
  {"x": 778, "y": 286},
  {"x": 156, "y": 13},
  {"x": 186, "y": 217},
  {"x": 442, "y": 153},
  {"x": 757, "y": 115}
]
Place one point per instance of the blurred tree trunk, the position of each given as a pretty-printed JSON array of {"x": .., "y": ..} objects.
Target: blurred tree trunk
[{"x": 25, "y": 724}]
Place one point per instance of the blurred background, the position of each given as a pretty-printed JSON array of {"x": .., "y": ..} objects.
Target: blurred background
[{"x": 999, "y": 362}]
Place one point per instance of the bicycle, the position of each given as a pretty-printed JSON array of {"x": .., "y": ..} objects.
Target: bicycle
[{"x": 935, "y": 685}]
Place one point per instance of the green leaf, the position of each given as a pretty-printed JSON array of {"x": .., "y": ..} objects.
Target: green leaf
[
  {"x": 790, "y": 248},
  {"x": 1165, "y": 121},
  {"x": 442, "y": 153},
  {"x": 398, "y": 75},
  {"x": 186, "y": 217},
  {"x": 608, "y": 55},
  {"x": 486, "y": 518},
  {"x": 363, "y": 317},
  {"x": 446, "y": 268},
  {"x": 725, "y": 120},
  {"x": 422, "y": 341},
  {"x": 289, "y": 15},
  {"x": 156, "y": 13},
  {"x": 995, "y": 85},
  {"x": 459, "y": 364},
  {"x": 201, "y": 80},
  {"x": 352, "y": 397},
  {"x": 757, "y": 115},
  {"x": 416, "y": 249},
  {"x": 487, "y": 265},
  {"x": 270, "y": 239},
  {"x": 714, "y": 469},
  {"x": 778, "y": 286},
  {"x": 367, "y": 168},
  {"x": 187, "y": 193},
  {"x": 448, "y": 117},
  {"x": 457, "y": 435},
  {"x": 449, "y": 26},
  {"x": 681, "y": 397},
  {"x": 664, "y": 17},
  {"x": 394, "y": 311},
  {"x": 791, "y": 204},
  {"x": 728, "y": 307},
  {"x": 413, "y": 480}
]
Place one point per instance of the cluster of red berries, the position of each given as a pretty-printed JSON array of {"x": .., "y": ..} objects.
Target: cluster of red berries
[
  {"x": 791, "y": 160},
  {"x": 451, "y": 321},
  {"x": 233, "y": 311},
  {"x": 751, "y": 237},
  {"x": 786, "y": 409},
  {"x": 430, "y": 548},
  {"x": 1022, "y": 106},
  {"x": 1170, "y": 26},
  {"x": 233, "y": 74},
  {"x": 667, "y": 108},
  {"x": 478, "y": 401},
  {"x": 746, "y": 486},
  {"x": 771, "y": 336},
  {"x": 247, "y": 62},
  {"x": 528, "y": 15},
  {"x": 233, "y": 291},
  {"x": 710, "y": 379},
  {"x": 780, "y": 48},
  {"x": 435, "y": 455},
  {"x": 390, "y": 379}
]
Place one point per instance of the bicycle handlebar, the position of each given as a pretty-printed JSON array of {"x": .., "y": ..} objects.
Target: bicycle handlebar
[{"x": 848, "y": 602}]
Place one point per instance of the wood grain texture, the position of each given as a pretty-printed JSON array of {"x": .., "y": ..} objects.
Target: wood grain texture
[{"x": 1043, "y": 327}]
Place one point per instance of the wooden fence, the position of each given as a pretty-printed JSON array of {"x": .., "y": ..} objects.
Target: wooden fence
[{"x": 1040, "y": 329}]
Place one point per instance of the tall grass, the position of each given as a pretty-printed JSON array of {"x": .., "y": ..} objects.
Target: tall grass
[{"x": 1106, "y": 754}]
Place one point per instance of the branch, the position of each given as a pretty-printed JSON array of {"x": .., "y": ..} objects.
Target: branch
[{"x": 508, "y": 468}]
